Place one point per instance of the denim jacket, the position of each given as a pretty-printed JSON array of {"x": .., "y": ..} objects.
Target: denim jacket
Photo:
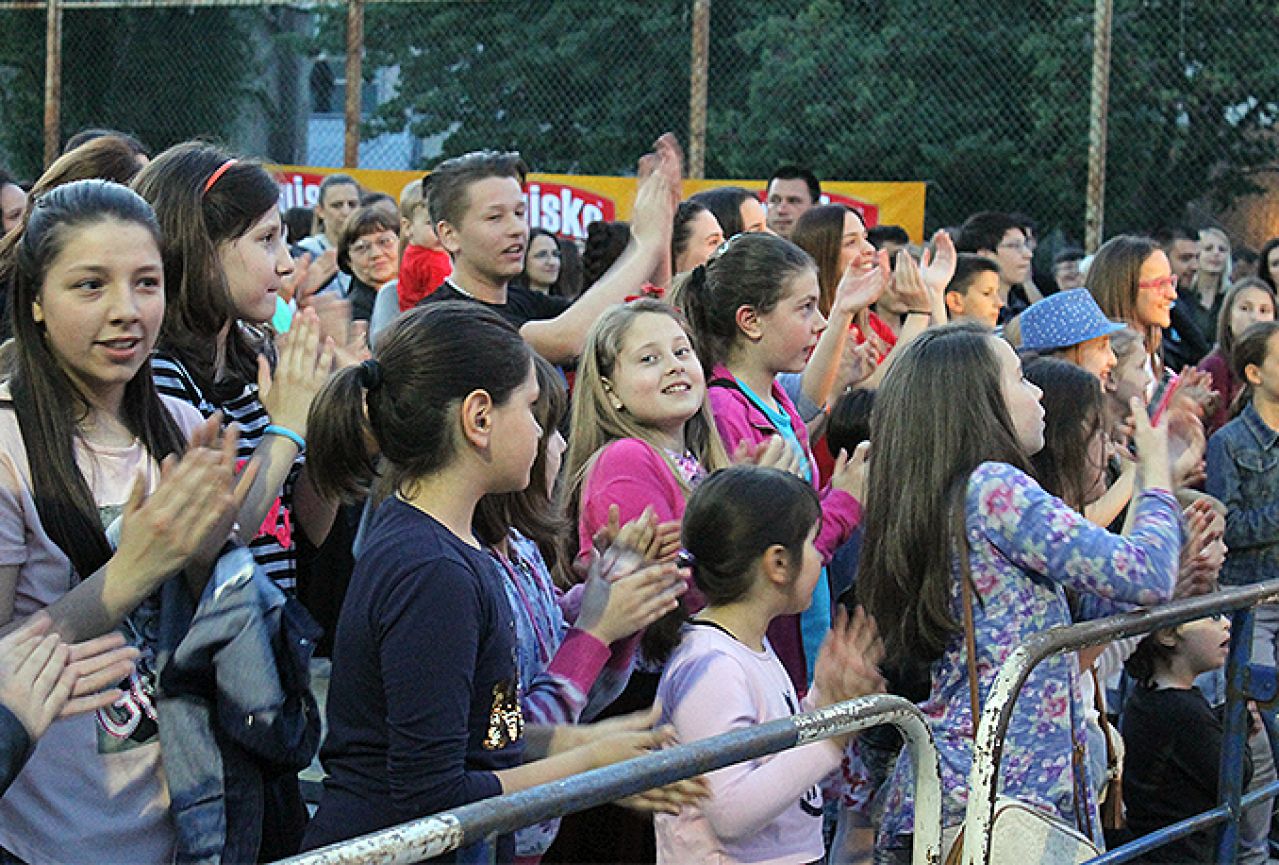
[
  {"x": 1243, "y": 473},
  {"x": 236, "y": 714}
]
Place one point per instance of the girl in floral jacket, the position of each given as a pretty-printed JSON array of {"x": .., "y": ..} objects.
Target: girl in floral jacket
[{"x": 951, "y": 496}]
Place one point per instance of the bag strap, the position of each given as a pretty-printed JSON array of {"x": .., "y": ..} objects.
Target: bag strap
[{"x": 970, "y": 643}]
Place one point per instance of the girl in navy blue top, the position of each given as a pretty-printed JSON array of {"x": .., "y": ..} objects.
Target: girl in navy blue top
[{"x": 423, "y": 706}]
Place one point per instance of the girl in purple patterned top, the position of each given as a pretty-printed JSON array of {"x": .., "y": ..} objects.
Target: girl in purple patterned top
[{"x": 952, "y": 496}]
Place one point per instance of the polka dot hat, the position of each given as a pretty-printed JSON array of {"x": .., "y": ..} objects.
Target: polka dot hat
[{"x": 1064, "y": 319}]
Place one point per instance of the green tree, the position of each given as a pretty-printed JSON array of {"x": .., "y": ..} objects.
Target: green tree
[
  {"x": 576, "y": 86},
  {"x": 988, "y": 102},
  {"x": 164, "y": 74}
]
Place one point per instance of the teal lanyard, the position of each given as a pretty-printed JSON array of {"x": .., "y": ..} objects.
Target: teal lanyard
[{"x": 781, "y": 422}]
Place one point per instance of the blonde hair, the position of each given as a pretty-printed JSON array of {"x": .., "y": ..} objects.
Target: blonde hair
[
  {"x": 1224, "y": 281},
  {"x": 596, "y": 422},
  {"x": 411, "y": 198}
]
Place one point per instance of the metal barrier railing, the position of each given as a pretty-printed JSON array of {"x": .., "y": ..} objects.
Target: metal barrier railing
[
  {"x": 997, "y": 713},
  {"x": 451, "y": 830}
]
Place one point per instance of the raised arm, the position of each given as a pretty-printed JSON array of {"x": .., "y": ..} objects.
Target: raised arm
[{"x": 561, "y": 339}]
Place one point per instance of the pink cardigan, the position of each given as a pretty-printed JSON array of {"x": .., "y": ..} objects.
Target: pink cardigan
[
  {"x": 738, "y": 420},
  {"x": 631, "y": 474}
]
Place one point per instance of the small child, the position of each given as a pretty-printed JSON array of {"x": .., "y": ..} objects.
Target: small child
[
  {"x": 1069, "y": 325},
  {"x": 424, "y": 265},
  {"x": 973, "y": 292},
  {"x": 749, "y": 533},
  {"x": 1173, "y": 736}
]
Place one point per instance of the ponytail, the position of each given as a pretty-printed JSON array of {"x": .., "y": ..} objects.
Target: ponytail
[
  {"x": 749, "y": 270},
  {"x": 338, "y": 459},
  {"x": 427, "y": 361},
  {"x": 733, "y": 518}
]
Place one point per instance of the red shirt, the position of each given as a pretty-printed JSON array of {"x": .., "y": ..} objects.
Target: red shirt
[{"x": 422, "y": 271}]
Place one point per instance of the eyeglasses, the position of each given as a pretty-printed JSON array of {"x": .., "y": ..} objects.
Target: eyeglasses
[
  {"x": 1018, "y": 246},
  {"x": 384, "y": 242},
  {"x": 1163, "y": 283}
]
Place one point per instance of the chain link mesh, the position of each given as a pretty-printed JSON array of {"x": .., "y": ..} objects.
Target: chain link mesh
[{"x": 988, "y": 102}]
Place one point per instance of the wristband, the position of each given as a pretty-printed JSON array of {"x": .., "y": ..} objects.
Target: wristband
[
  {"x": 919, "y": 312},
  {"x": 284, "y": 432}
]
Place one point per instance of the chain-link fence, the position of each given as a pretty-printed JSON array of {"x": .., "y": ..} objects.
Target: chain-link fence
[{"x": 987, "y": 101}]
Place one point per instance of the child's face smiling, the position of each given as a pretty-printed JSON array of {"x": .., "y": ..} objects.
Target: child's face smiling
[
  {"x": 101, "y": 305},
  {"x": 657, "y": 377}
]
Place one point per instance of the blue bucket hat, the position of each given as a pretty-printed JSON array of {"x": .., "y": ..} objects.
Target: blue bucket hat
[{"x": 1064, "y": 319}]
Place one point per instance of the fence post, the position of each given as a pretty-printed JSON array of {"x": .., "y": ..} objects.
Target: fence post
[
  {"x": 1234, "y": 736},
  {"x": 697, "y": 80},
  {"x": 354, "y": 82},
  {"x": 52, "y": 80},
  {"x": 1094, "y": 209}
]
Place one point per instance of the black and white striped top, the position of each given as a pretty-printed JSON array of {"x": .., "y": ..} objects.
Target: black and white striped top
[{"x": 273, "y": 547}]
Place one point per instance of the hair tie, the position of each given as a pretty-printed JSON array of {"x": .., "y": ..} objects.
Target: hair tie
[
  {"x": 216, "y": 176},
  {"x": 370, "y": 374},
  {"x": 685, "y": 559},
  {"x": 697, "y": 278}
]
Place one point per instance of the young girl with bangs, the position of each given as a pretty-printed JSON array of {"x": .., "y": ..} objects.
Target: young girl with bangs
[
  {"x": 754, "y": 311},
  {"x": 225, "y": 261},
  {"x": 955, "y": 417},
  {"x": 108, "y": 492},
  {"x": 423, "y": 711},
  {"x": 642, "y": 433}
]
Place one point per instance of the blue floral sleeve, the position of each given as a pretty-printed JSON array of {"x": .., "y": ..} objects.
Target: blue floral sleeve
[{"x": 1041, "y": 534}]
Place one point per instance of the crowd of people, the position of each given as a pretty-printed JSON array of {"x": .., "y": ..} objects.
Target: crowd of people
[{"x": 547, "y": 507}]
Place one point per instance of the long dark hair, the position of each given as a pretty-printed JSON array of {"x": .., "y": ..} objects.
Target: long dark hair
[
  {"x": 426, "y": 362},
  {"x": 939, "y": 414},
  {"x": 1263, "y": 266},
  {"x": 531, "y": 511},
  {"x": 732, "y": 519},
  {"x": 47, "y": 403},
  {"x": 1073, "y": 417},
  {"x": 820, "y": 233},
  {"x": 195, "y": 218}
]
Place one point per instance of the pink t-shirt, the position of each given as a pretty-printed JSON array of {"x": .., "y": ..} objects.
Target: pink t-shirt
[
  {"x": 767, "y": 810},
  {"x": 94, "y": 790}
]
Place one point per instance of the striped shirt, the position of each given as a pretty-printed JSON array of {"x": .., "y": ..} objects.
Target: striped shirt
[{"x": 273, "y": 546}]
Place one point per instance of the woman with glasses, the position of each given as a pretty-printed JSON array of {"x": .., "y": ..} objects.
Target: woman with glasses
[
  {"x": 1131, "y": 279},
  {"x": 368, "y": 250}
]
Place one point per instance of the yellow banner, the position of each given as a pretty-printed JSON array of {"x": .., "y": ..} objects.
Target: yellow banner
[{"x": 567, "y": 203}]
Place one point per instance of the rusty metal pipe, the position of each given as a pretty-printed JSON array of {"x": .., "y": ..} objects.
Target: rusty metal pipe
[
  {"x": 997, "y": 713},
  {"x": 448, "y": 831}
]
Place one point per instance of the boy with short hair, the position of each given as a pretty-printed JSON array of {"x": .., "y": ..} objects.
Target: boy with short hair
[
  {"x": 477, "y": 203},
  {"x": 425, "y": 265},
  {"x": 973, "y": 293},
  {"x": 1002, "y": 239}
]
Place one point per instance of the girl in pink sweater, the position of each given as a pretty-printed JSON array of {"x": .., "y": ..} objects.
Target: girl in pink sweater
[
  {"x": 750, "y": 534},
  {"x": 754, "y": 311},
  {"x": 642, "y": 433}
]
